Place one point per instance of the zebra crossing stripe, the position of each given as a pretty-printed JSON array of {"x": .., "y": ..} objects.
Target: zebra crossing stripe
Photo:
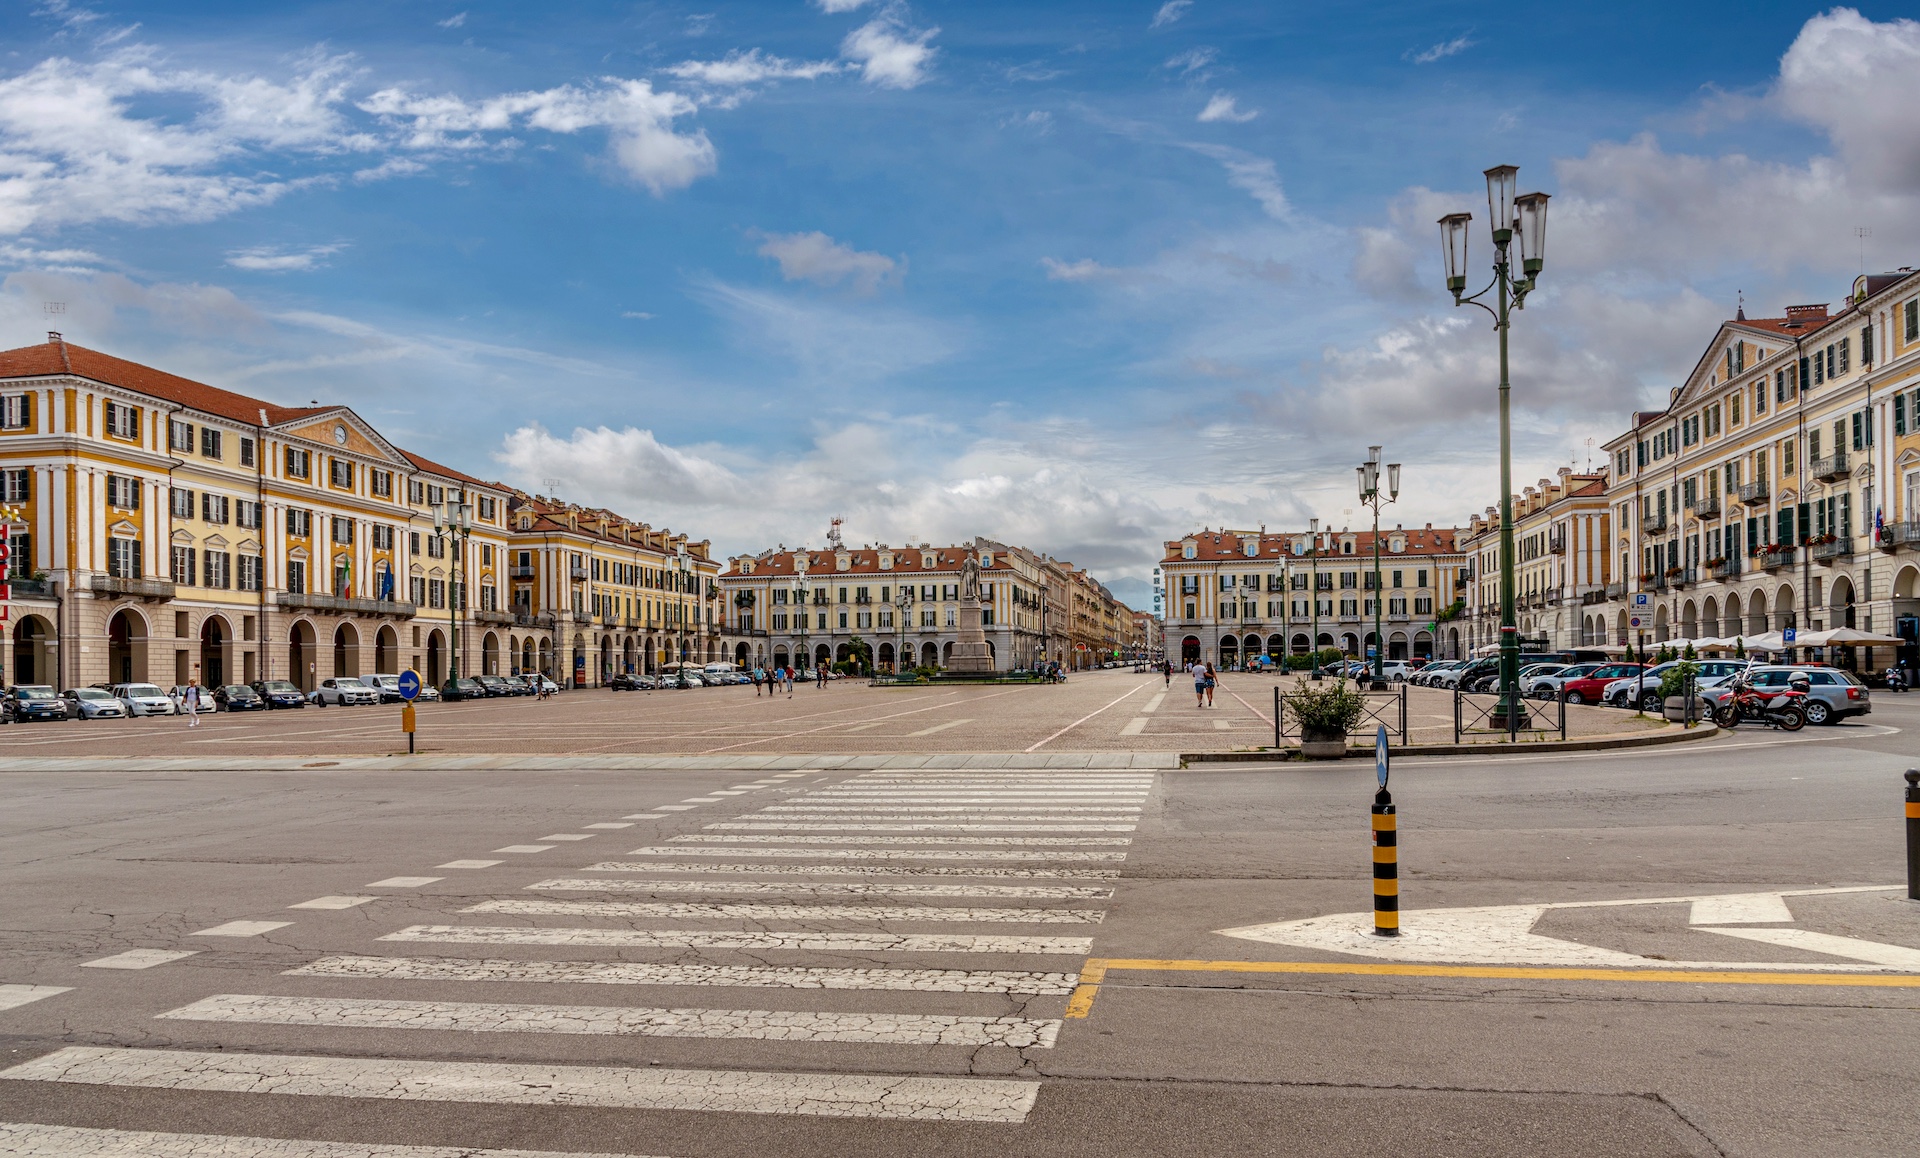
[
  {"x": 849, "y": 870},
  {"x": 1050, "y": 811},
  {"x": 704, "y": 838},
  {"x": 750, "y": 911},
  {"x": 734, "y": 976},
  {"x": 32, "y": 1140},
  {"x": 889, "y": 1096},
  {"x": 14, "y": 996},
  {"x": 702, "y": 939},
  {"x": 623, "y": 1021},
  {"x": 880, "y": 854},
  {"x": 845, "y": 826},
  {"x": 823, "y": 889}
]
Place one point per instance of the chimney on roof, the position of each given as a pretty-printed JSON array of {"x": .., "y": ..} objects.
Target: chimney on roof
[
  {"x": 1740, "y": 313},
  {"x": 54, "y": 339},
  {"x": 1806, "y": 315}
]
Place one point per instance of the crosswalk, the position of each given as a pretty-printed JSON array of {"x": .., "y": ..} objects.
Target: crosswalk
[{"x": 904, "y": 911}]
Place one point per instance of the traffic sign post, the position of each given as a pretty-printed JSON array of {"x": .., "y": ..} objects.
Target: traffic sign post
[{"x": 409, "y": 689}]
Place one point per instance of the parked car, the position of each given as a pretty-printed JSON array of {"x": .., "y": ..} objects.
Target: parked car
[
  {"x": 35, "y": 702},
  {"x": 237, "y": 698},
  {"x": 1620, "y": 692},
  {"x": 387, "y": 685},
  {"x": 1589, "y": 688},
  {"x": 682, "y": 680},
  {"x": 626, "y": 682},
  {"x": 178, "y": 694},
  {"x": 1833, "y": 694},
  {"x": 494, "y": 685},
  {"x": 92, "y": 704},
  {"x": 143, "y": 700},
  {"x": 463, "y": 688},
  {"x": 1430, "y": 675},
  {"x": 541, "y": 683},
  {"x": 1545, "y": 682},
  {"x": 343, "y": 691},
  {"x": 279, "y": 694},
  {"x": 522, "y": 685}
]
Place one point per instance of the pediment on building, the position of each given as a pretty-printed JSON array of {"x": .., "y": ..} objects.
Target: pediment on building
[
  {"x": 343, "y": 430},
  {"x": 124, "y": 530},
  {"x": 251, "y": 545},
  {"x": 298, "y": 554},
  {"x": 217, "y": 542},
  {"x": 182, "y": 535}
]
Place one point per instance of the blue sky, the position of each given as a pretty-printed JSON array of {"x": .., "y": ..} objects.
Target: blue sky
[{"x": 1080, "y": 276}]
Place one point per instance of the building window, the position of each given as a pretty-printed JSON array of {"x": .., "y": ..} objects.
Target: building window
[
  {"x": 1396, "y": 605},
  {"x": 927, "y": 617},
  {"x": 340, "y": 473},
  {"x": 123, "y": 492},
  {"x": 436, "y": 548},
  {"x": 123, "y": 558},
  {"x": 18, "y": 485},
  {"x": 779, "y": 621},
  {"x": 299, "y": 463},
  {"x": 123, "y": 421},
  {"x": 299, "y": 523},
  {"x": 1423, "y": 605},
  {"x": 182, "y": 504},
  {"x": 296, "y": 576},
  {"x": 381, "y": 482},
  {"x": 436, "y": 496},
  {"x": 249, "y": 573},
  {"x": 951, "y": 613},
  {"x": 209, "y": 445},
  {"x": 416, "y": 492},
  {"x": 486, "y": 554},
  {"x": 219, "y": 570},
  {"x": 183, "y": 566},
  {"x": 417, "y": 590},
  {"x": 342, "y": 531},
  {"x": 17, "y": 412},
  {"x": 490, "y": 598},
  {"x": 436, "y": 593},
  {"x": 179, "y": 435},
  {"x": 246, "y": 452},
  {"x": 213, "y": 509},
  {"x": 382, "y": 537},
  {"x": 486, "y": 508}
]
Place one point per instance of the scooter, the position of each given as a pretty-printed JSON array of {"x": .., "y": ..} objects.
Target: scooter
[
  {"x": 1746, "y": 703},
  {"x": 1896, "y": 679}
]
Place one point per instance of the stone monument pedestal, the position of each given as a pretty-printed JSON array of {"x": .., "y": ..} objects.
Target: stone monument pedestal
[{"x": 971, "y": 655}]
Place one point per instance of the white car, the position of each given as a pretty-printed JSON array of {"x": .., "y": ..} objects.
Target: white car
[
  {"x": 343, "y": 690},
  {"x": 1447, "y": 675},
  {"x": 1713, "y": 672},
  {"x": 1546, "y": 684},
  {"x": 143, "y": 700}
]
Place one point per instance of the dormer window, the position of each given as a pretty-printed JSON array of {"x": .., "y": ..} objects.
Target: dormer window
[
  {"x": 886, "y": 561},
  {"x": 1189, "y": 550}
]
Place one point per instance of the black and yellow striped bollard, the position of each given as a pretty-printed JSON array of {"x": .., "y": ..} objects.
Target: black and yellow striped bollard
[
  {"x": 1386, "y": 867},
  {"x": 1913, "y": 834}
]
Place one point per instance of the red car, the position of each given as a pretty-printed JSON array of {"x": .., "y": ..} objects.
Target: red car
[{"x": 1586, "y": 689}]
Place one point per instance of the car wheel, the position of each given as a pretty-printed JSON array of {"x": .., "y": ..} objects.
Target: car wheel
[
  {"x": 1576, "y": 698},
  {"x": 1818, "y": 712},
  {"x": 1618, "y": 701}
]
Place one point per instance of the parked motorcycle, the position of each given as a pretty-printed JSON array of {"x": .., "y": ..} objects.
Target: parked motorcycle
[{"x": 1745, "y": 703}]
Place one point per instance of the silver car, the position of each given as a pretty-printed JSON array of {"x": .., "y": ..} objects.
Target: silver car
[
  {"x": 1833, "y": 694},
  {"x": 92, "y": 704}
]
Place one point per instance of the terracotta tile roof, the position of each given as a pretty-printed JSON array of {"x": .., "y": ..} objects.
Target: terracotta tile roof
[
  {"x": 1225, "y": 545},
  {"x": 550, "y": 515},
  {"x": 864, "y": 561},
  {"x": 51, "y": 358}
]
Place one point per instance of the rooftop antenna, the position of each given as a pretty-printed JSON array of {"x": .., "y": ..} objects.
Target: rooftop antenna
[
  {"x": 833, "y": 533},
  {"x": 1589, "y": 456},
  {"x": 552, "y": 486},
  {"x": 1740, "y": 314},
  {"x": 1862, "y": 232},
  {"x": 53, "y": 309}
]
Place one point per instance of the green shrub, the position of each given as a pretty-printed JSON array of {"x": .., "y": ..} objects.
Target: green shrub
[
  {"x": 1331, "y": 710},
  {"x": 1673, "y": 683}
]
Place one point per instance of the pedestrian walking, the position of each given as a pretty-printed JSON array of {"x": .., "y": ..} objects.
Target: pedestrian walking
[
  {"x": 1199, "y": 675},
  {"x": 1166, "y": 668},
  {"x": 756, "y": 683},
  {"x": 190, "y": 704},
  {"x": 1212, "y": 679}
]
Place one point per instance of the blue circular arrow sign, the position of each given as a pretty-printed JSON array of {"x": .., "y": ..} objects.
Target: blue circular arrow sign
[{"x": 409, "y": 684}]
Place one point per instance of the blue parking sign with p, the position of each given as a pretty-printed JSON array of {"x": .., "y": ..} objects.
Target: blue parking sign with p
[{"x": 409, "y": 684}]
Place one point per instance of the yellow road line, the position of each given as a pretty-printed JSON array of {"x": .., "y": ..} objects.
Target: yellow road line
[{"x": 1096, "y": 969}]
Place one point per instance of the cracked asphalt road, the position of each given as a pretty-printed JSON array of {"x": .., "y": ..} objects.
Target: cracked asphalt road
[{"x": 853, "y": 1028}]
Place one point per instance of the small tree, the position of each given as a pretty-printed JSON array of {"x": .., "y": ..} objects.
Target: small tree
[{"x": 1325, "y": 712}]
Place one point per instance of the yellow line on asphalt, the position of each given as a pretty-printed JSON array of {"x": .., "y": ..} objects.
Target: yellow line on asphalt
[{"x": 1096, "y": 969}]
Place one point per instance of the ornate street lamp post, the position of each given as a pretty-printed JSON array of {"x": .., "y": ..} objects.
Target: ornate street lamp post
[
  {"x": 902, "y": 607},
  {"x": 800, "y": 601},
  {"x": 680, "y": 568},
  {"x": 1313, "y": 558},
  {"x": 453, "y": 519},
  {"x": 1525, "y": 218},
  {"x": 1370, "y": 495}
]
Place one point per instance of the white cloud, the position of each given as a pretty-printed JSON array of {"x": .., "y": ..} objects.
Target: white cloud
[
  {"x": 890, "y": 55},
  {"x": 637, "y": 315},
  {"x": 1170, "y": 12},
  {"x": 1192, "y": 60},
  {"x": 834, "y": 6},
  {"x": 1442, "y": 50},
  {"x": 820, "y": 259},
  {"x": 750, "y": 67},
  {"x": 1222, "y": 108},
  {"x": 457, "y": 20},
  {"x": 273, "y": 259},
  {"x": 391, "y": 167},
  {"x": 638, "y": 120},
  {"x": 1086, "y": 269},
  {"x": 1256, "y": 176},
  {"x": 59, "y": 259}
]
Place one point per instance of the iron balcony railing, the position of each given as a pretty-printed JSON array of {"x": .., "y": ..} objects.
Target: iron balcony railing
[
  {"x": 1726, "y": 568},
  {"x": 1834, "y": 466},
  {"x": 343, "y": 604},
  {"x": 1904, "y": 534},
  {"x": 138, "y": 588},
  {"x": 1777, "y": 556},
  {"x": 1653, "y": 524},
  {"x": 1753, "y": 492},
  {"x": 1707, "y": 507},
  {"x": 1828, "y": 552}
]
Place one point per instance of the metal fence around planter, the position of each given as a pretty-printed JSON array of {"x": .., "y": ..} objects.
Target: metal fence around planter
[
  {"x": 1389, "y": 708},
  {"x": 1480, "y": 714}
]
